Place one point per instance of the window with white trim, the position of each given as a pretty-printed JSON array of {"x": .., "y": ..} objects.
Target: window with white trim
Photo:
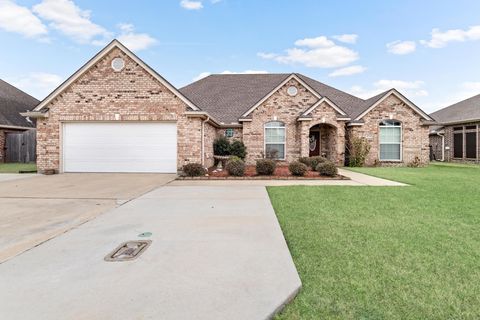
[
  {"x": 390, "y": 140},
  {"x": 275, "y": 140}
]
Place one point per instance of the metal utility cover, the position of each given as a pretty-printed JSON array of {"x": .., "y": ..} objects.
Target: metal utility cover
[{"x": 129, "y": 250}]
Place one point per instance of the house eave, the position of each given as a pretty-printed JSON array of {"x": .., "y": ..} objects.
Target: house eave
[{"x": 35, "y": 114}]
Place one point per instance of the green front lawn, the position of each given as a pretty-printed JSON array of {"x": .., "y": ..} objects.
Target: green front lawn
[
  {"x": 16, "y": 167},
  {"x": 386, "y": 252}
]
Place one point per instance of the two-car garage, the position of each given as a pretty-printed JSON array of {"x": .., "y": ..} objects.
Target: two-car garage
[{"x": 119, "y": 147}]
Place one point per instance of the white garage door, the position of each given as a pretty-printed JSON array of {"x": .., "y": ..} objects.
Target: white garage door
[{"x": 120, "y": 147}]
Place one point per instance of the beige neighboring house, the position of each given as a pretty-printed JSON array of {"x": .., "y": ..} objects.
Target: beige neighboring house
[
  {"x": 456, "y": 136},
  {"x": 116, "y": 114}
]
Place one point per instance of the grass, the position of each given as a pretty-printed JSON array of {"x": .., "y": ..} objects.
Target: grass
[
  {"x": 16, "y": 167},
  {"x": 386, "y": 252}
]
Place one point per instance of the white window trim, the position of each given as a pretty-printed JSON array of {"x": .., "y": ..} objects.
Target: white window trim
[
  {"x": 401, "y": 143},
  {"x": 265, "y": 139}
]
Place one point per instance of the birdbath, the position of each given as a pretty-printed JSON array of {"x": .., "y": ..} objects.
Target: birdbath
[{"x": 222, "y": 161}]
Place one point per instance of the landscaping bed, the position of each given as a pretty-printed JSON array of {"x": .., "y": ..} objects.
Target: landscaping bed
[{"x": 281, "y": 173}]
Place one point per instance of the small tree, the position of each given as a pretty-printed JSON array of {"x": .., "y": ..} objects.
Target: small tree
[
  {"x": 221, "y": 146},
  {"x": 358, "y": 149},
  {"x": 238, "y": 149}
]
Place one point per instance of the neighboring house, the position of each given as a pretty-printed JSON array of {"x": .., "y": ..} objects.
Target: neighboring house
[
  {"x": 12, "y": 102},
  {"x": 117, "y": 114},
  {"x": 456, "y": 138}
]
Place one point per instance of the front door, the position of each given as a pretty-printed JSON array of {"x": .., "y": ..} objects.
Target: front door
[{"x": 314, "y": 143}]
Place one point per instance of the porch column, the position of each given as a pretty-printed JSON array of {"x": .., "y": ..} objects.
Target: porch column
[
  {"x": 304, "y": 138},
  {"x": 340, "y": 143}
]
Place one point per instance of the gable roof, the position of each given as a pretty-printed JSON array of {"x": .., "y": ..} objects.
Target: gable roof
[
  {"x": 114, "y": 44},
  {"x": 228, "y": 96},
  {"x": 463, "y": 111},
  {"x": 376, "y": 100},
  {"x": 12, "y": 102}
]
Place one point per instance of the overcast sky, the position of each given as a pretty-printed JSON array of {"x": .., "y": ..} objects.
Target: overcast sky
[{"x": 429, "y": 50}]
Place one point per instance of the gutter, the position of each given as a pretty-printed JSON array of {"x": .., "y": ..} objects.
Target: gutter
[{"x": 34, "y": 114}]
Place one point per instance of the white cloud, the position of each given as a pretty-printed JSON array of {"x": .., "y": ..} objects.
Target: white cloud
[
  {"x": 319, "y": 52},
  {"x": 37, "y": 84},
  {"x": 215, "y": 1},
  {"x": 440, "y": 39},
  {"x": 347, "y": 38},
  {"x": 206, "y": 74},
  {"x": 18, "y": 19},
  {"x": 134, "y": 41},
  {"x": 347, "y": 71},
  {"x": 191, "y": 5},
  {"x": 66, "y": 17},
  {"x": 401, "y": 47},
  {"x": 409, "y": 88},
  {"x": 318, "y": 42}
]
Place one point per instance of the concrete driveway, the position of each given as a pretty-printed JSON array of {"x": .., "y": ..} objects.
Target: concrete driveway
[
  {"x": 36, "y": 208},
  {"x": 216, "y": 253}
]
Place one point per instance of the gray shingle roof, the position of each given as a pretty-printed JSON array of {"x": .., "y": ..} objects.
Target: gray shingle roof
[
  {"x": 465, "y": 110},
  {"x": 227, "y": 97},
  {"x": 12, "y": 102}
]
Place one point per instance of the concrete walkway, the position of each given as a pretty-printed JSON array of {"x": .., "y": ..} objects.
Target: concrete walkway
[
  {"x": 356, "y": 179},
  {"x": 216, "y": 253}
]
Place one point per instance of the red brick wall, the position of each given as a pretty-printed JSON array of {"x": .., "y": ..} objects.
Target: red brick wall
[{"x": 101, "y": 93}]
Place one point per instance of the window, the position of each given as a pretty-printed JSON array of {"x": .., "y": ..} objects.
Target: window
[
  {"x": 390, "y": 140},
  {"x": 229, "y": 133},
  {"x": 458, "y": 145},
  {"x": 275, "y": 140},
  {"x": 471, "y": 145}
]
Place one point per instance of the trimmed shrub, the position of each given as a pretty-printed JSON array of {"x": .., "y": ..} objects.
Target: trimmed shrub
[
  {"x": 265, "y": 167},
  {"x": 312, "y": 162},
  {"x": 237, "y": 148},
  {"x": 235, "y": 167},
  {"x": 327, "y": 168},
  {"x": 297, "y": 168},
  {"x": 194, "y": 170},
  {"x": 221, "y": 146}
]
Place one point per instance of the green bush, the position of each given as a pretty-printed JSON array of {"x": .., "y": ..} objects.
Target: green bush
[
  {"x": 221, "y": 146},
  {"x": 235, "y": 166},
  {"x": 297, "y": 168},
  {"x": 194, "y": 170},
  {"x": 358, "y": 149},
  {"x": 265, "y": 167},
  {"x": 237, "y": 148},
  {"x": 312, "y": 162},
  {"x": 327, "y": 168}
]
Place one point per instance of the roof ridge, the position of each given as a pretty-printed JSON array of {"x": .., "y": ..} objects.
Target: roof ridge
[{"x": 329, "y": 86}]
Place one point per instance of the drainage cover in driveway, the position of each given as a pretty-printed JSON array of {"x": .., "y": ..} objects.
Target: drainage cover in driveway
[{"x": 128, "y": 250}]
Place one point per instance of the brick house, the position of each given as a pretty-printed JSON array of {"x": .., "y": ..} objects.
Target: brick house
[
  {"x": 456, "y": 136},
  {"x": 118, "y": 114},
  {"x": 13, "y": 101}
]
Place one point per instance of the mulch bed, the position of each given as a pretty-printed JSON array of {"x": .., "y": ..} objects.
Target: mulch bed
[{"x": 281, "y": 173}]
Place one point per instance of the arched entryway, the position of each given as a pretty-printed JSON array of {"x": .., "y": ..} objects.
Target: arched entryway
[{"x": 322, "y": 141}]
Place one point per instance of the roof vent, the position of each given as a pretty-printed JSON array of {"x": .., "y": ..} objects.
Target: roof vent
[
  {"x": 118, "y": 64},
  {"x": 292, "y": 91}
]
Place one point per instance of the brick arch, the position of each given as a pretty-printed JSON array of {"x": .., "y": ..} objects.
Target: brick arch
[{"x": 326, "y": 136}]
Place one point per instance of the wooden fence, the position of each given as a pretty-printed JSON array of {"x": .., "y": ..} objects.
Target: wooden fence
[{"x": 21, "y": 146}]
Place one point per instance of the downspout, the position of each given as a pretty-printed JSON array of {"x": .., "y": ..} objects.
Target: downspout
[
  {"x": 443, "y": 145},
  {"x": 203, "y": 139}
]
